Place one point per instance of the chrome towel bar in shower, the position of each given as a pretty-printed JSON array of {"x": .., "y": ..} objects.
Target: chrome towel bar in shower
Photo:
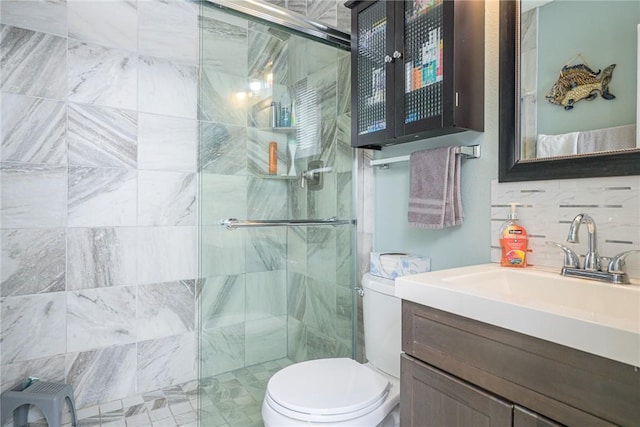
[{"x": 233, "y": 223}]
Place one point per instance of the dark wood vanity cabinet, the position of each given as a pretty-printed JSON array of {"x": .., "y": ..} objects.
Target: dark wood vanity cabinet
[
  {"x": 461, "y": 372},
  {"x": 417, "y": 69},
  {"x": 431, "y": 397}
]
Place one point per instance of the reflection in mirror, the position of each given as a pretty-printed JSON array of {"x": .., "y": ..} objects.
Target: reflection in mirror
[
  {"x": 578, "y": 77},
  {"x": 594, "y": 111}
]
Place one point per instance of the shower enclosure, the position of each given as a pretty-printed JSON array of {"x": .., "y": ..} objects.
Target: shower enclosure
[{"x": 276, "y": 249}]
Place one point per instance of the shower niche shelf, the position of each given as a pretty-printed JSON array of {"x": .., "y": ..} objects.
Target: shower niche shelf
[
  {"x": 277, "y": 177},
  {"x": 280, "y": 129}
]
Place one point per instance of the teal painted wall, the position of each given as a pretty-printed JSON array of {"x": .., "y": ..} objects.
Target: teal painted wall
[
  {"x": 450, "y": 247},
  {"x": 457, "y": 246}
]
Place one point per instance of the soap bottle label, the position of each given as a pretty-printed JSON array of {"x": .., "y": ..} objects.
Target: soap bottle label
[{"x": 514, "y": 246}]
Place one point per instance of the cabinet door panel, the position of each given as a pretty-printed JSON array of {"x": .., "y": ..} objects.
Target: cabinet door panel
[
  {"x": 430, "y": 397},
  {"x": 372, "y": 76},
  {"x": 424, "y": 88}
]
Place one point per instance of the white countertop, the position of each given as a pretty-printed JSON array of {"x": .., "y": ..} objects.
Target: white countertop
[{"x": 591, "y": 316}]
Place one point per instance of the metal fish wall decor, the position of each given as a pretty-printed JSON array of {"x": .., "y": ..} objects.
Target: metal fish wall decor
[{"x": 578, "y": 82}]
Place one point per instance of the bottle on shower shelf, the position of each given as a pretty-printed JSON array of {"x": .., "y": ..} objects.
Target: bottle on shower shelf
[
  {"x": 273, "y": 158},
  {"x": 273, "y": 111},
  {"x": 285, "y": 110}
]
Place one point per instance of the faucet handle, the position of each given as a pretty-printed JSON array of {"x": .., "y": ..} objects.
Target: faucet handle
[
  {"x": 571, "y": 259},
  {"x": 603, "y": 263},
  {"x": 617, "y": 264}
]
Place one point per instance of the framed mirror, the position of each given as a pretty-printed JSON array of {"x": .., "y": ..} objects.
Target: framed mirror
[{"x": 590, "y": 116}]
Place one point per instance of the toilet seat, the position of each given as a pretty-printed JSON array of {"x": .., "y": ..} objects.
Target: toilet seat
[{"x": 326, "y": 390}]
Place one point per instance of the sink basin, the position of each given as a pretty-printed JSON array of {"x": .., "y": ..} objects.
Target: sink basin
[{"x": 595, "y": 317}]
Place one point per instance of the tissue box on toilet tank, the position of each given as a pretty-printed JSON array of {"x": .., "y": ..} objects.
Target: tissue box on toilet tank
[{"x": 391, "y": 265}]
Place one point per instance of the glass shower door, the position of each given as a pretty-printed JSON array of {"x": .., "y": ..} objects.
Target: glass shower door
[{"x": 271, "y": 294}]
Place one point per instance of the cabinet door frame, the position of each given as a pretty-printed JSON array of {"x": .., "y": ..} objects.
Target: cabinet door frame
[
  {"x": 372, "y": 139},
  {"x": 467, "y": 399},
  {"x": 445, "y": 118}
]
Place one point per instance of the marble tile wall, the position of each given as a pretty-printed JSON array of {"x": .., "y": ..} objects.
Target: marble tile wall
[
  {"x": 98, "y": 172},
  {"x": 99, "y": 206},
  {"x": 320, "y": 315},
  {"x": 332, "y": 12},
  {"x": 548, "y": 207}
]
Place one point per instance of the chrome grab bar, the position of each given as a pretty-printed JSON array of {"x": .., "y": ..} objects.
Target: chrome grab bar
[{"x": 233, "y": 223}]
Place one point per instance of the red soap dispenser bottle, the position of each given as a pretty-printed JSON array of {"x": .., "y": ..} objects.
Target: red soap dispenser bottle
[{"x": 513, "y": 241}]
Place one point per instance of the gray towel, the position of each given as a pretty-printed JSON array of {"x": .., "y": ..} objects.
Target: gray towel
[
  {"x": 434, "y": 188},
  {"x": 613, "y": 138}
]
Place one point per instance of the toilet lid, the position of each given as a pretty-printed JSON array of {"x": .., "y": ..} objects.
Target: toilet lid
[{"x": 337, "y": 387}]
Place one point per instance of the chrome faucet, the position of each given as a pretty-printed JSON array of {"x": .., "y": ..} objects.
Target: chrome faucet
[
  {"x": 595, "y": 267},
  {"x": 591, "y": 259}
]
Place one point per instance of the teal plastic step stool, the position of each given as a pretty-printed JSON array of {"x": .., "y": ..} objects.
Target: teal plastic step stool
[{"x": 48, "y": 397}]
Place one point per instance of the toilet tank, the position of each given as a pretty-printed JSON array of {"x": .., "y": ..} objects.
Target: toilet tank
[{"x": 382, "y": 314}]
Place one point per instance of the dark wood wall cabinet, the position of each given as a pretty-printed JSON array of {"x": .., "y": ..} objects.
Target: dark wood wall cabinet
[
  {"x": 461, "y": 372},
  {"x": 417, "y": 69}
]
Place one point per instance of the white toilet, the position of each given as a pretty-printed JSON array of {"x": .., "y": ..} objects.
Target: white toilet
[{"x": 341, "y": 391}]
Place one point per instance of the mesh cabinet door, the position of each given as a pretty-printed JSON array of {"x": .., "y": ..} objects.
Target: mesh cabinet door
[
  {"x": 423, "y": 60},
  {"x": 423, "y": 66},
  {"x": 372, "y": 75}
]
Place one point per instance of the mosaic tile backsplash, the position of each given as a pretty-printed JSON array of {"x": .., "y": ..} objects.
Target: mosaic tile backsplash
[{"x": 548, "y": 207}]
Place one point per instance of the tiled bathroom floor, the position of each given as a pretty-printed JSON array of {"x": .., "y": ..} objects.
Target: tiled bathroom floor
[
  {"x": 170, "y": 407},
  {"x": 231, "y": 399}
]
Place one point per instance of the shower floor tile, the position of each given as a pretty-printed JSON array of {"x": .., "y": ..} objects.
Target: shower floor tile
[
  {"x": 236, "y": 396},
  {"x": 232, "y": 399}
]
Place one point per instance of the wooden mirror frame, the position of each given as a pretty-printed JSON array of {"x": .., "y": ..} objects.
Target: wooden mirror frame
[{"x": 510, "y": 168}]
